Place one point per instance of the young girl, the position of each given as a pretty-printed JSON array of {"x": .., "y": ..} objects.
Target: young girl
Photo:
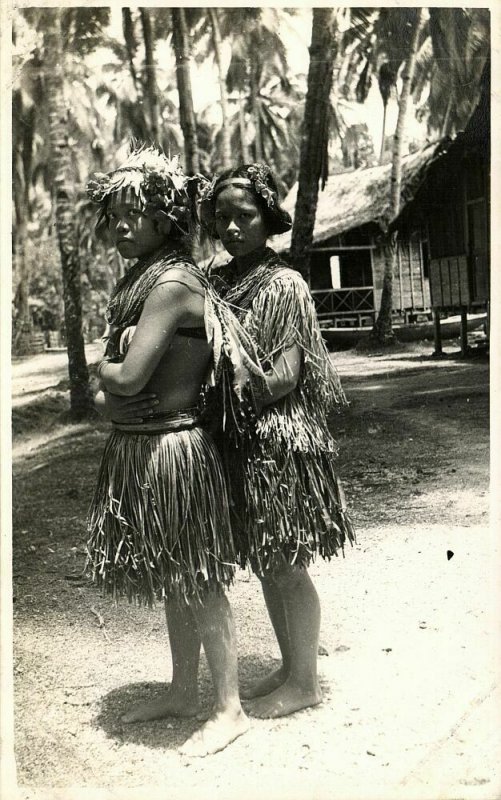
[
  {"x": 287, "y": 496},
  {"x": 159, "y": 524}
]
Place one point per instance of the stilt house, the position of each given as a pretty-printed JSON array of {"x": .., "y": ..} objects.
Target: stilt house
[{"x": 442, "y": 253}]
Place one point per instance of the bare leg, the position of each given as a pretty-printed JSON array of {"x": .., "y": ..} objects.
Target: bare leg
[
  {"x": 227, "y": 721},
  {"x": 276, "y": 610},
  {"x": 181, "y": 700},
  {"x": 302, "y": 610}
]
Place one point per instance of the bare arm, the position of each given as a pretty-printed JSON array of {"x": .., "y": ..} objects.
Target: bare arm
[
  {"x": 165, "y": 309},
  {"x": 282, "y": 378},
  {"x": 124, "y": 409}
]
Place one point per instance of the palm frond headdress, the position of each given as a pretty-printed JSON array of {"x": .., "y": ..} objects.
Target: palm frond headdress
[{"x": 156, "y": 180}]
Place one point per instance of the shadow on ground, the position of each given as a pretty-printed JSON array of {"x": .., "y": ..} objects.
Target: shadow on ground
[{"x": 169, "y": 733}]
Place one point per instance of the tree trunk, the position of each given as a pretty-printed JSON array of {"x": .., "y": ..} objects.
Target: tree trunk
[
  {"x": 62, "y": 162},
  {"x": 186, "y": 112},
  {"x": 130, "y": 44},
  {"x": 256, "y": 116},
  {"x": 21, "y": 270},
  {"x": 27, "y": 121},
  {"x": 150, "y": 82},
  {"x": 383, "y": 132},
  {"x": 225, "y": 126},
  {"x": 243, "y": 132},
  {"x": 445, "y": 124},
  {"x": 313, "y": 164},
  {"x": 382, "y": 332}
]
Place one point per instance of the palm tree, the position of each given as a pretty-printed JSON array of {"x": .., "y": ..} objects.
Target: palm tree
[
  {"x": 377, "y": 45},
  {"x": 23, "y": 163},
  {"x": 149, "y": 80},
  {"x": 181, "y": 44},
  {"x": 143, "y": 75},
  {"x": 442, "y": 51},
  {"x": 449, "y": 68},
  {"x": 82, "y": 28},
  {"x": 64, "y": 196},
  {"x": 257, "y": 68},
  {"x": 313, "y": 164},
  {"x": 217, "y": 42},
  {"x": 382, "y": 332}
]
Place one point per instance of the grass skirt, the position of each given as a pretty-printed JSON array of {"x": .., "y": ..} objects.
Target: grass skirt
[
  {"x": 159, "y": 520},
  {"x": 288, "y": 504}
]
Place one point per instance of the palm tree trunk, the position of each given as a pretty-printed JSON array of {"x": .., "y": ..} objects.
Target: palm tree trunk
[
  {"x": 445, "y": 124},
  {"x": 186, "y": 113},
  {"x": 21, "y": 195},
  {"x": 130, "y": 43},
  {"x": 62, "y": 162},
  {"x": 223, "y": 97},
  {"x": 382, "y": 332},
  {"x": 23, "y": 327},
  {"x": 243, "y": 132},
  {"x": 383, "y": 132},
  {"x": 20, "y": 263},
  {"x": 313, "y": 163},
  {"x": 256, "y": 116},
  {"x": 150, "y": 83}
]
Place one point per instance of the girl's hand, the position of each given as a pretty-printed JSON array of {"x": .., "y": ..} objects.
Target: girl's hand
[{"x": 125, "y": 409}]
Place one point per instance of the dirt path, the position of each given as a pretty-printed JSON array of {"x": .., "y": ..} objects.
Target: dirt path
[{"x": 410, "y": 677}]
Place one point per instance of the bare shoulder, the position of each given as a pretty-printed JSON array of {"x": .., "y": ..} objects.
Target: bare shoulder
[
  {"x": 178, "y": 294},
  {"x": 181, "y": 278}
]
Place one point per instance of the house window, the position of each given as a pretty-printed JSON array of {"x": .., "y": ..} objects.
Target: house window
[
  {"x": 335, "y": 272},
  {"x": 355, "y": 268},
  {"x": 341, "y": 269}
]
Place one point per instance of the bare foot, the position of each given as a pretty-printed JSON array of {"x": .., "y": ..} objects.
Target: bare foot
[
  {"x": 218, "y": 732},
  {"x": 268, "y": 684},
  {"x": 171, "y": 705},
  {"x": 285, "y": 700}
]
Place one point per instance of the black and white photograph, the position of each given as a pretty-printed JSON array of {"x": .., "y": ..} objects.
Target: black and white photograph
[{"x": 249, "y": 523}]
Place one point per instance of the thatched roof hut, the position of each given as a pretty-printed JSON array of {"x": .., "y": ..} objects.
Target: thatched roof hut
[
  {"x": 357, "y": 198},
  {"x": 362, "y": 197}
]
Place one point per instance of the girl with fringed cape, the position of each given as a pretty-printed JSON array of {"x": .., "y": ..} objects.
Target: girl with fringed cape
[{"x": 289, "y": 500}]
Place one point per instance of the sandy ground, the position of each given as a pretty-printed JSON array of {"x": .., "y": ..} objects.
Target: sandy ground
[{"x": 410, "y": 616}]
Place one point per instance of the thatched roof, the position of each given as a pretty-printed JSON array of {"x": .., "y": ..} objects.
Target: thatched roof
[
  {"x": 359, "y": 197},
  {"x": 362, "y": 196}
]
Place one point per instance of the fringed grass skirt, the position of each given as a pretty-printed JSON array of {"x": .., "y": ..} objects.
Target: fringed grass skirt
[
  {"x": 159, "y": 521},
  {"x": 288, "y": 504}
]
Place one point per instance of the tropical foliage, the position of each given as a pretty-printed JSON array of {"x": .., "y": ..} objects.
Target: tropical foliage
[{"x": 218, "y": 85}]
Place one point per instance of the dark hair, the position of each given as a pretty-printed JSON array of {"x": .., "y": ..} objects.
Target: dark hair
[
  {"x": 182, "y": 227},
  {"x": 157, "y": 182},
  {"x": 259, "y": 181}
]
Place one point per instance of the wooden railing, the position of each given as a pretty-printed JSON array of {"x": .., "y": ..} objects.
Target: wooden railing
[{"x": 345, "y": 307}]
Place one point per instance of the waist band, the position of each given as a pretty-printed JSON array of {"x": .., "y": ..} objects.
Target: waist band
[{"x": 168, "y": 422}]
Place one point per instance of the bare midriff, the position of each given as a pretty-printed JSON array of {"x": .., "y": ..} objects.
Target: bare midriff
[{"x": 181, "y": 373}]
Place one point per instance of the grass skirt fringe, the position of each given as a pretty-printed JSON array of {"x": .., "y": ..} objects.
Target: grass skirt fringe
[
  {"x": 289, "y": 505},
  {"x": 159, "y": 520}
]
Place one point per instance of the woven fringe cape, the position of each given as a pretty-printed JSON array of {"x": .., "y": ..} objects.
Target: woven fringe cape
[
  {"x": 287, "y": 500},
  {"x": 159, "y": 520}
]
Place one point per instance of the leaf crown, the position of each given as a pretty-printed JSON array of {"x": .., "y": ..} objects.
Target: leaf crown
[{"x": 156, "y": 180}]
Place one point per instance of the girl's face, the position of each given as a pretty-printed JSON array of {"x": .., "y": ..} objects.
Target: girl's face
[
  {"x": 239, "y": 222},
  {"x": 133, "y": 233}
]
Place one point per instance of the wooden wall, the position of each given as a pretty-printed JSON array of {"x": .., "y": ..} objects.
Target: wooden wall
[
  {"x": 458, "y": 227},
  {"x": 411, "y": 290},
  {"x": 449, "y": 282}
]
